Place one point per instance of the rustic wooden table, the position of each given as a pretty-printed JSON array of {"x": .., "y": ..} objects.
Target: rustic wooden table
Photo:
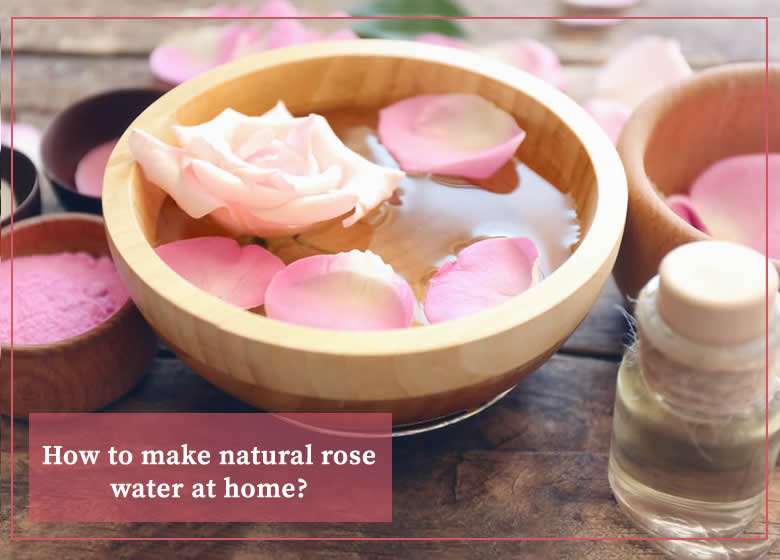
[{"x": 534, "y": 465}]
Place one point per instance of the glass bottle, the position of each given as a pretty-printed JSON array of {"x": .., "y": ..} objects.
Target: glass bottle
[{"x": 688, "y": 456}]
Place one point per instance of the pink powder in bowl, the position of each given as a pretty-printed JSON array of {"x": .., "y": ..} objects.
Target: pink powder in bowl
[{"x": 57, "y": 296}]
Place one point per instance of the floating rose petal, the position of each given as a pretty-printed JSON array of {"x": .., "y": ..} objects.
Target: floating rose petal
[
  {"x": 221, "y": 267},
  {"x": 681, "y": 205},
  {"x": 643, "y": 67},
  {"x": 92, "y": 167},
  {"x": 484, "y": 274},
  {"x": 730, "y": 197},
  {"x": 460, "y": 135},
  {"x": 346, "y": 291},
  {"x": 267, "y": 176},
  {"x": 531, "y": 56},
  {"x": 186, "y": 54},
  {"x": 610, "y": 115},
  {"x": 526, "y": 54},
  {"x": 27, "y": 139}
]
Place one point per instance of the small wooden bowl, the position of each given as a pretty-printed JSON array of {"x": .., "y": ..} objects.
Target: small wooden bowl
[
  {"x": 87, "y": 371},
  {"x": 79, "y": 128},
  {"x": 27, "y": 190},
  {"x": 670, "y": 139},
  {"x": 419, "y": 373}
]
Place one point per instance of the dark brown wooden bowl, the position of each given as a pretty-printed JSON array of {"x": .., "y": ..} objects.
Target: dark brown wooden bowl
[
  {"x": 26, "y": 187},
  {"x": 87, "y": 371},
  {"x": 81, "y": 127}
]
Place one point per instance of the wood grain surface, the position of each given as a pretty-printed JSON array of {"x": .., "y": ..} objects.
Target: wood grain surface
[{"x": 533, "y": 465}]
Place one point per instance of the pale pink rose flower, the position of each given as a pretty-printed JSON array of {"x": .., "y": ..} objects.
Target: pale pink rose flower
[{"x": 271, "y": 175}]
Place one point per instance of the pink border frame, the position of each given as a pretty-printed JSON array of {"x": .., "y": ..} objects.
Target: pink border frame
[{"x": 765, "y": 19}]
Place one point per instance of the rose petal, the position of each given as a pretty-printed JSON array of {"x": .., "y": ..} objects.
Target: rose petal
[
  {"x": 92, "y": 167},
  {"x": 484, "y": 274},
  {"x": 640, "y": 69},
  {"x": 221, "y": 267},
  {"x": 527, "y": 54},
  {"x": 164, "y": 166},
  {"x": 681, "y": 205},
  {"x": 609, "y": 114},
  {"x": 372, "y": 184},
  {"x": 531, "y": 56},
  {"x": 307, "y": 210},
  {"x": 288, "y": 32},
  {"x": 186, "y": 54},
  {"x": 279, "y": 9},
  {"x": 346, "y": 291},
  {"x": 460, "y": 135},
  {"x": 27, "y": 139},
  {"x": 730, "y": 197},
  {"x": 278, "y": 111}
]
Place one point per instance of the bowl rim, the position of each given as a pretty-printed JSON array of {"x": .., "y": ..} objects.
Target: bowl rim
[
  {"x": 57, "y": 181},
  {"x": 641, "y": 125},
  {"x": 595, "y": 247},
  {"x": 85, "y": 338},
  {"x": 35, "y": 191}
]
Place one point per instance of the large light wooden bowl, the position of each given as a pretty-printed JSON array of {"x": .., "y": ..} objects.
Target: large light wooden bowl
[
  {"x": 418, "y": 373},
  {"x": 674, "y": 136}
]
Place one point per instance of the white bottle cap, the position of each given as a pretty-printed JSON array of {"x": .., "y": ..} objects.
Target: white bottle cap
[{"x": 717, "y": 292}]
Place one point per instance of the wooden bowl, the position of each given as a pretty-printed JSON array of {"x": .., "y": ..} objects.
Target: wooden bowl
[
  {"x": 26, "y": 187},
  {"x": 79, "y": 128},
  {"x": 670, "y": 139},
  {"x": 417, "y": 373},
  {"x": 87, "y": 371}
]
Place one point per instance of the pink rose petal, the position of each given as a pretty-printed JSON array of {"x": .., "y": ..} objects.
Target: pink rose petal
[
  {"x": 187, "y": 54},
  {"x": 532, "y": 57},
  {"x": 279, "y": 9},
  {"x": 484, "y": 274},
  {"x": 27, "y": 139},
  {"x": 730, "y": 197},
  {"x": 642, "y": 68},
  {"x": 289, "y": 32},
  {"x": 460, "y": 135},
  {"x": 346, "y": 291},
  {"x": 168, "y": 167},
  {"x": 221, "y": 267},
  {"x": 527, "y": 54},
  {"x": 92, "y": 167},
  {"x": 609, "y": 114},
  {"x": 681, "y": 205}
]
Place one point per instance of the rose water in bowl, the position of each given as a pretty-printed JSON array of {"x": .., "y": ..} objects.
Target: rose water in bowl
[
  {"x": 417, "y": 374},
  {"x": 429, "y": 219}
]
